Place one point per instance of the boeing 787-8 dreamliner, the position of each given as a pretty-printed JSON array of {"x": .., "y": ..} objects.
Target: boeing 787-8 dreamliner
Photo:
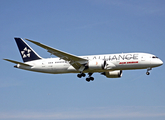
[{"x": 110, "y": 65}]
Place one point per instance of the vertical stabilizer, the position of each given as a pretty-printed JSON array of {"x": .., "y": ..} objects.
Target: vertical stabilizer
[{"x": 27, "y": 53}]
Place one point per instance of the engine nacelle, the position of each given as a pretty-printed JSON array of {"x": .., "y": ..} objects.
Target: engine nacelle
[
  {"x": 113, "y": 74},
  {"x": 96, "y": 64}
]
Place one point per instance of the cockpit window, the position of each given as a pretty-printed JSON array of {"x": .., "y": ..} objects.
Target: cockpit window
[{"x": 154, "y": 57}]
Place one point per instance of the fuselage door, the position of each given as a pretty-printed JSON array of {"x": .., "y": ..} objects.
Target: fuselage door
[
  {"x": 143, "y": 58},
  {"x": 43, "y": 64}
]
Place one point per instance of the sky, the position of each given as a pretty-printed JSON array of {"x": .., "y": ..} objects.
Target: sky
[{"x": 82, "y": 27}]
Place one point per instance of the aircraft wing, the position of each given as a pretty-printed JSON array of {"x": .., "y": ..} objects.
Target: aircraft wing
[
  {"x": 75, "y": 61},
  {"x": 16, "y": 62}
]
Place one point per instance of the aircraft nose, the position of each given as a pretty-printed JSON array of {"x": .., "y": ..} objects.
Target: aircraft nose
[
  {"x": 160, "y": 62},
  {"x": 157, "y": 62}
]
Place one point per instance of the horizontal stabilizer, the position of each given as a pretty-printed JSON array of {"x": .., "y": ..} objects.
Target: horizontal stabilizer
[{"x": 16, "y": 62}]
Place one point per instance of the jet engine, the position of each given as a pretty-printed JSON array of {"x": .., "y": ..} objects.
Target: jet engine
[
  {"x": 96, "y": 64},
  {"x": 113, "y": 74}
]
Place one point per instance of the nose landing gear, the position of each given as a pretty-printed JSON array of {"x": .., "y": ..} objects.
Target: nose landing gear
[{"x": 148, "y": 73}]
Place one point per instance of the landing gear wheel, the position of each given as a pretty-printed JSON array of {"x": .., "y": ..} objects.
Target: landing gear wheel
[
  {"x": 148, "y": 69},
  {"x": 91, "y": 78},
  {"x": 88, "y": 79},
  {"x": 83, "y": 74},
  {"x": 147, "y": 73},
  {"x": 79, "y": 75}
]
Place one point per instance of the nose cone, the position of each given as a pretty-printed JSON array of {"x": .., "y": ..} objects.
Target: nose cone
[
  {"x": 156, "y": 62},
  {"x": 160, "y": 62}
]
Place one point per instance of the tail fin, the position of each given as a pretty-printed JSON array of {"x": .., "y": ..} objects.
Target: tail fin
[{"x": 27, "y": 53}]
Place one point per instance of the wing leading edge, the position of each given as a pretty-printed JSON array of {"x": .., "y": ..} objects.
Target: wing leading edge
[{"x": 75, "y": 61}]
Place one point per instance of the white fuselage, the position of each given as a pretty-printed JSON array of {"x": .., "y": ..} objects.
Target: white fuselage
[{"x": 123, "y": 61}]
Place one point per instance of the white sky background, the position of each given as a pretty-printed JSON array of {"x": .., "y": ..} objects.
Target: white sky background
[{"x": 82, "y": 28}]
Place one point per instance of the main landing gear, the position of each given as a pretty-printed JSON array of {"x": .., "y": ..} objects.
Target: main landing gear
[
  {"x": 81, "y": 75},
  {"x": 148, "y": 73},
  {"x": 88, "y": 79}
]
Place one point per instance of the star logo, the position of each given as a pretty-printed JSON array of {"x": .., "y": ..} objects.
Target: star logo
[{"x": 26, "y": 52}]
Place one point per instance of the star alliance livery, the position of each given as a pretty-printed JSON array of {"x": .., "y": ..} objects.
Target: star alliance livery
[{"x": 109, "y": 65}]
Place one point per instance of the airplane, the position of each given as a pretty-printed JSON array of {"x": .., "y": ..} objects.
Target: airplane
[{"x": 109, "y": 65}]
